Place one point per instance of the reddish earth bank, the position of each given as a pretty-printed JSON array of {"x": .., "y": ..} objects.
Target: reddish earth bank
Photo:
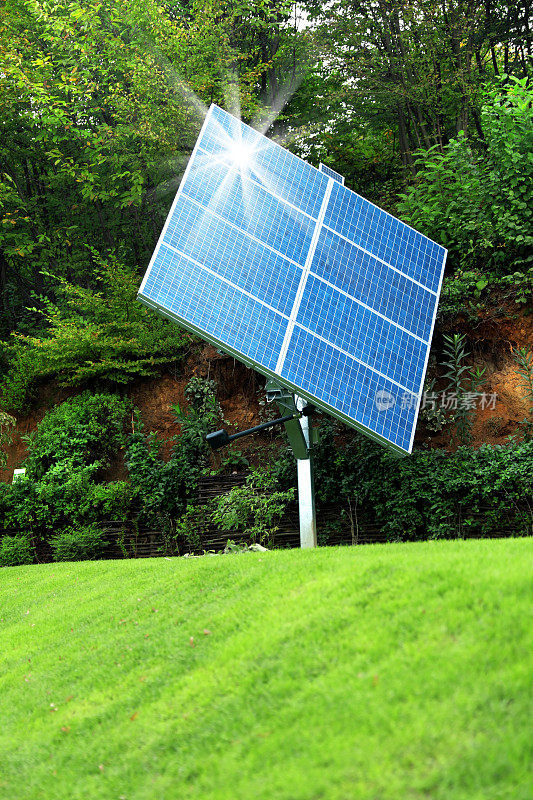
[{"x": 492, "y": 341}]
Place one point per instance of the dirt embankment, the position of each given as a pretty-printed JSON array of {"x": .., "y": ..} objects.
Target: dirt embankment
[{"x": 492, "y": 343}]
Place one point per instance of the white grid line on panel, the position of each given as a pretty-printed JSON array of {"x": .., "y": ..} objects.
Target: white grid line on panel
[
  {"x": 370, "y": 253},
  {"x": 225, "y": 280},
  {"x": 233, "y": 168},
  {"x": 378, "y": 344},
  {"x": 368, "y": 308},
  {"x": 427, "y": 354},
  {"x": 178, "y": 194},
  {"x": 260, "y": 222},
  {"x": 242, "y": 230},
  {"x": 305, "y": 275}
]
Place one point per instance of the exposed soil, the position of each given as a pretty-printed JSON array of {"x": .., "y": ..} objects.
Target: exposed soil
[{"x": 492, "y": 341}]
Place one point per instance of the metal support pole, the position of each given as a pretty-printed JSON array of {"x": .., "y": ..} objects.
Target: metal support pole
[{"x": 306, "y": 488}]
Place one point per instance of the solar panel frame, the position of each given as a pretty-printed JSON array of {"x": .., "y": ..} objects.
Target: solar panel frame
[
  {"x": 331, "y": 173},
  {"x": 297, "y": 330}
]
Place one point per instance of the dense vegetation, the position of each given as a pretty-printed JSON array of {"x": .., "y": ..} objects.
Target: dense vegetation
[{"x": 426, "y": 108}]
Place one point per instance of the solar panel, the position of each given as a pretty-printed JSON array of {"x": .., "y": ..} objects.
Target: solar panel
[
  {"x": 331, "y": 173},
  {"x": 282, "y": 266}
]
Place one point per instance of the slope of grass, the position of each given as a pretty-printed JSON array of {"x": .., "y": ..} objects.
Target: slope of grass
[{"x": 375, "y": 673}]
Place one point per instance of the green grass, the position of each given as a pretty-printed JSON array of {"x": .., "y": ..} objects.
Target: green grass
[{"x": 373, "y": 673}]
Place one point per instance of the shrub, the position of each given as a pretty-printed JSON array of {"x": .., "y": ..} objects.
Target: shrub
[
  {"x": 81, "y": 544},
  {"x": 67, "y": 452},
  {"x": 479, "y": 202},
  {"x": 193, "y": 527},
  {"x": 113, "y": 500},
  {"x": 253, "y": 510},
  {"x": 83, "y": 430},
  {"x": 15, "y": 550},
  {"x": 7, "y": 423},
  {"x": 432, "y": 493},
  {"x": 99, "y": 334},
  {"x": 165, "y": 487}
]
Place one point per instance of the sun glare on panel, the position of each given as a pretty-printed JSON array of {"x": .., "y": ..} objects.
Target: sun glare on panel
[{"x": 241, "y": 154}]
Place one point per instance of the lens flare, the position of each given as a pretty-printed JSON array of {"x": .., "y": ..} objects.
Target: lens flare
[{"x": 241, "y": 154}]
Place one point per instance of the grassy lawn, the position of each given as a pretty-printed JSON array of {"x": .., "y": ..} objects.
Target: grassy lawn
[{"x": 373, "y": 673}]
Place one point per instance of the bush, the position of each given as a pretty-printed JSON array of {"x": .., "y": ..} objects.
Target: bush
[
  {"x": 81, "y": 431},
  {"x": 165, "y": 487},
  {"x": 67, "y": 452},
  {"x": 253, "y": 510},
  {"x": 193, "y": 527},
  {"x": 7, "y": 423},
  {"x": 102, "y": 334},
  {"x": 432, "y": 493},
  {"x": 15, "y": 550},
  {"x": 479, "y": 202},
  {"x": 82, "y": 544}
]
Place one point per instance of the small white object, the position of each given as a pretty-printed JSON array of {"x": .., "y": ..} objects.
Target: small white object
[{"x": 18, "y": 475}]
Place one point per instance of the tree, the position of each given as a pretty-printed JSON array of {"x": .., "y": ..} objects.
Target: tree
[
  {"x": 479, "y": 203},
  {"x": 418, "y": 67},
  {"x": 102, "y": 102}
]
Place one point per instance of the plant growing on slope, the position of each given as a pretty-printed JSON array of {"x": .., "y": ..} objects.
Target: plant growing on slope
[
  {"x": 479, "y": 203},
  {"x": 254, "y": 509},
  {"x": 100, "y": 334},
  {"x": 464, "y": 383},
  {"x": 15, "y": 550},
  {"x": 164, "y": 487},
  {"x": 7, "y": 423},
  {"x": 67, "y": 452},
  {"x": 82, "y": 543},
  {"x": 524, "y": 360}
]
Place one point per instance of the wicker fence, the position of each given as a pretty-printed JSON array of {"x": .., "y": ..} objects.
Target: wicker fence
[{"x": 128, "y": 540}]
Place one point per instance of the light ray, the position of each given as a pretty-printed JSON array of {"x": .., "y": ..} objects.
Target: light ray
[
  {"x": 266, "y": 118},
  {"x": 232, "y": 94}
]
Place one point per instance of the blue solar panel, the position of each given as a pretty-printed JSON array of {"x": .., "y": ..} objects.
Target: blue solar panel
[
  {"x": 331, "y": 173},
  {"x": 282, "y": 266}
]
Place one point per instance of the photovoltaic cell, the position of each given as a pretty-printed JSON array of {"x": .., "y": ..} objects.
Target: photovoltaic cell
[
  {"x": 281, "y": 265},
  {"x": 331, "y": 173}
]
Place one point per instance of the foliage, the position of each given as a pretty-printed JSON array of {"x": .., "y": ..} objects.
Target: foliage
[
  {"x": 432, "y": 493},
  {"x": 253, "y": 509},
  {"x": 418, "y": 69},
  {"x": 84, "y": 430},
  {"x": 101, "y": 103},
  {"x": 366, "y": 158},
  {"x": 252, "y": 512},
  {"x": 85, "y": 543},
  {"x": 114, "y": 500},
  {"x": 66, "y": 455},
  {"x": 98, "y": 335},
  {"x": 524, "y": 361},
  {"x": 233, "y": 460},
  {"x": 62, "y": 490},
  {"x": 15, "y": 550},
  {"x": 7, "y": 423},
  {"x": 479, "y": 203},
  {"x": 204, "y": 412},
  {"x": 434, "y": 416},
  {"x": 193, "y": 527},
  {"x": 461, "y": 290},
  {"x": 165, "y": 487},
  {"x": 464, "y": 383}
]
